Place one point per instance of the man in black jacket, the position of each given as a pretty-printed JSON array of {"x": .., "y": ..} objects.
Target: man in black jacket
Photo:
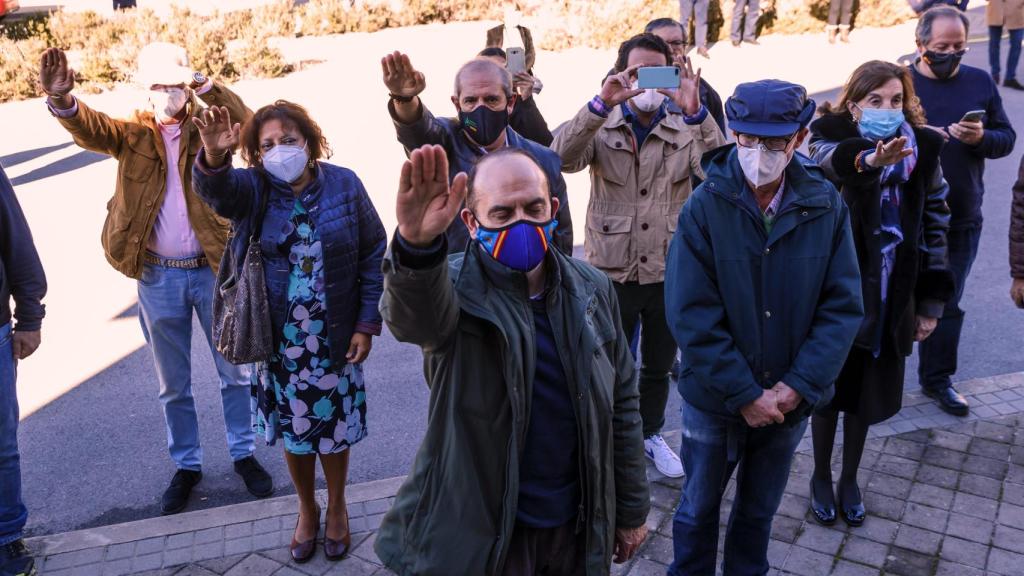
[
  {"x": 483, "y": 100},
  {"x": 526, "y": 118},
  {"x": 21, "y": 278},
  {"x": 948, "y": 91}
]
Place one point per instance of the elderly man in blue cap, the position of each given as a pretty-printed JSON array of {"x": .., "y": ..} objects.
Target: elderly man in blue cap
[{"x": 762, "y": 293}]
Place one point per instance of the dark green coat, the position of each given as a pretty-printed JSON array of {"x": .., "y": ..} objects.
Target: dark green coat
[{"x": 455, "y": 513}]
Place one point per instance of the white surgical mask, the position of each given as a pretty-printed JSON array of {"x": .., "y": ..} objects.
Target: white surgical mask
[
  {"x": 285, "y": 162},
  {"x": 762, "y": 166},
  {"x": 649, "y": 101},
  {"x": 167, "y": 103}
]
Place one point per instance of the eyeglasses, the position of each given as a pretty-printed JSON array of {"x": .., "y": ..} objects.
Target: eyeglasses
[
  {"x": 677, "y": 43},
  {"x": 774, "y": 143}
]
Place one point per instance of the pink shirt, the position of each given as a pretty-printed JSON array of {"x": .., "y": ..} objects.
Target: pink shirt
[{"x": 172, "y": 235}]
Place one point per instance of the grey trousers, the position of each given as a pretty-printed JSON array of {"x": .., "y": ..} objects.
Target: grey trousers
[
  {"x": 699, "y": 10},
  {"x": 748, "y": 31}
]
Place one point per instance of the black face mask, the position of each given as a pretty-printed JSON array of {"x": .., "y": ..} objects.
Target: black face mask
[
  {"x": 943, "y": 64},
  {"x": 483, "y": 125}
]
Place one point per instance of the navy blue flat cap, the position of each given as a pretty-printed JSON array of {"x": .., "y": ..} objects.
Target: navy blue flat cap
[{"x": 769, "y": 108}]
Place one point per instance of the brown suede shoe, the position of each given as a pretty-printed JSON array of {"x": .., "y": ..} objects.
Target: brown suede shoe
[{"x": 303, "y": 552}]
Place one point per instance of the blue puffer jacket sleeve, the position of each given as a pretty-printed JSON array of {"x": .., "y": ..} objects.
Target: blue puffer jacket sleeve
[
  {"x": 229, "y": 191},
  {"x": 696, "y": 314},
  {"x": 838, "y": 315},
  {"x": 372, "y": 244}
]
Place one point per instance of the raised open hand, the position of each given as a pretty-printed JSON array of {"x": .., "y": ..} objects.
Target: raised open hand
[
  {"x": 55, "y": 78},
  {"x": 618, "y": 88},
  {"x": 218, "y": 133},
  {"x": 887, "y": 154},
  {"x": 426, "y": 203},
  {"x": 687, "y": 96},
  {"x": 400, "y": 77}
]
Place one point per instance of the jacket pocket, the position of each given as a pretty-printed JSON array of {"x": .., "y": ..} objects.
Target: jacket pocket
[
  {"x": 140, "y": 160},
  {"x": 615, "y": 159},
  {"x": 676, "y": 161},
  {"x": 611, "y": 237}
]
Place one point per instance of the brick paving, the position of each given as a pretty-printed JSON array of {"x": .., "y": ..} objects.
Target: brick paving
[{"x": 945, "y": 496}]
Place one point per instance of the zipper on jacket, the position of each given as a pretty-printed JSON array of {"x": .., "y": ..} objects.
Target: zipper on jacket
[{"x": 511, "y": 449}]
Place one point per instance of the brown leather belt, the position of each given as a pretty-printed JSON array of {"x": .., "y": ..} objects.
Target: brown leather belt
[{"x": 180, "y": 263}]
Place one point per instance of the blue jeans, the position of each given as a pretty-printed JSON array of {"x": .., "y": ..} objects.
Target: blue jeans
[
  {"x": 995, "y": 38},
  {"x": 13, "y": 514},
  {"x": 167, "y": 299},
  {"x": 712, "y": 448},
  {"x": 938, "y": 353}
]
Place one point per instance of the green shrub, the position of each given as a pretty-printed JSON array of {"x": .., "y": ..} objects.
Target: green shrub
[
  {"x": 19, "y": 68},
  {"x": 108, "y": 45}
]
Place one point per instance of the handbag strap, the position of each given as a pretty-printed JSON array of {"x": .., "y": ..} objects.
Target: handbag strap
[{"x": 257, "y": 229}]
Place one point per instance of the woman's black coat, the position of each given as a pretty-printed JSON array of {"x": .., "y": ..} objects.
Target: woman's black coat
[{"x": 921, "y": 281}]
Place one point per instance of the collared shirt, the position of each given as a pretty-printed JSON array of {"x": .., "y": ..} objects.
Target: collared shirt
[
  {"x": 772, "y": 209},
  {"x": 172, "y": 236},
  {"x": 641, "y": 132}
]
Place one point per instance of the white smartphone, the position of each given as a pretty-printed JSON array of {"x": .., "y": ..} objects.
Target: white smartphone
[{"x": 515, "y": 60}]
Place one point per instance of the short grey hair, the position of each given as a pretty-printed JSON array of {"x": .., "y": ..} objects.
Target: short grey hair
[
  {"x": 927, "y": 21},
  {"x": 481, "y": 64}
]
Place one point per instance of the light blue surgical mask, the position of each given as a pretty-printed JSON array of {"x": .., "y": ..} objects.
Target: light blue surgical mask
[{"x": 880, "y": 123}]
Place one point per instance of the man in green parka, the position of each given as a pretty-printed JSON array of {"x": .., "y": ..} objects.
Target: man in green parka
[{"x": 532, "y": 462}]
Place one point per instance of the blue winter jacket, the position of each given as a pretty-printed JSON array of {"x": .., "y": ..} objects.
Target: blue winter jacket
[
  {"x": 751, "y": 308},
  {"x": 352, "y": 235}
]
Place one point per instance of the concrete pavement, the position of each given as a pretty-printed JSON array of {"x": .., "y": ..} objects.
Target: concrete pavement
[{"x": 90, "y": 417}]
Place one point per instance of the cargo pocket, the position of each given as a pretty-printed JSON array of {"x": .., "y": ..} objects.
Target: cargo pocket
[{"x": 611, "y": 238}]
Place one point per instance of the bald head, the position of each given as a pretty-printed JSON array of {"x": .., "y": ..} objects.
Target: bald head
[
  {"x": 507, "y": 186},
  {"x": 483, "y": 72}
]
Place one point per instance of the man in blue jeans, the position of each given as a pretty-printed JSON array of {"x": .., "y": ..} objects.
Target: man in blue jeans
[
  {"x": 948, "y": 90},
  {"x": 762, "y": 293},
  {"x": 160, "y": 233},
  {"x": 21, "y": 278}
]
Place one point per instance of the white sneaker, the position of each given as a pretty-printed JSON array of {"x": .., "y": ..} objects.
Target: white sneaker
[{"x": 665, "y": 459}]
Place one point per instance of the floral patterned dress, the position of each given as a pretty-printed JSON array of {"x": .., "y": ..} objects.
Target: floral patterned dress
[{"x": 316, "y": 407}]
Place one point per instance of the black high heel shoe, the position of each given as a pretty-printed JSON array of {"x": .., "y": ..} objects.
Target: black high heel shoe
[
  {"x": 824, "y": 511},
  {"x": 853, "y": 513}
]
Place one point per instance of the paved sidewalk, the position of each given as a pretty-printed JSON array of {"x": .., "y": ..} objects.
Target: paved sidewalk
[{"x": 945, "y": 497}]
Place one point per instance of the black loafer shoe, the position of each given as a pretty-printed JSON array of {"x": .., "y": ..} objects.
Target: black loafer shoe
[
  {"x": 175, "y": 498},
  {"x": 824, "y": 509},
  {"x": 257, "y": 480},
  {"x": 16, "y": 560},
  {"x": 949, "y": 400},
  {"x": 1013, "y": 83},
  {"x": 853, "y": 514}
]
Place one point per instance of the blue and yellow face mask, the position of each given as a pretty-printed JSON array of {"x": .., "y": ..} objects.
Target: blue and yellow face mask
[{"x": 521, "y": 245}]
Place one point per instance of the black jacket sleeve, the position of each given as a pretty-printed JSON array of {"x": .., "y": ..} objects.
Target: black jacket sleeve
[
  {"x": 21, "y": 272},
  {"x": 528, "y": 122},
  {"x": 713, "y": 102}
]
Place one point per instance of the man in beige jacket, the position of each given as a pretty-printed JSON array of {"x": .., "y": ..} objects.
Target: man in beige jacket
[{"x": 641, "y": 160}]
